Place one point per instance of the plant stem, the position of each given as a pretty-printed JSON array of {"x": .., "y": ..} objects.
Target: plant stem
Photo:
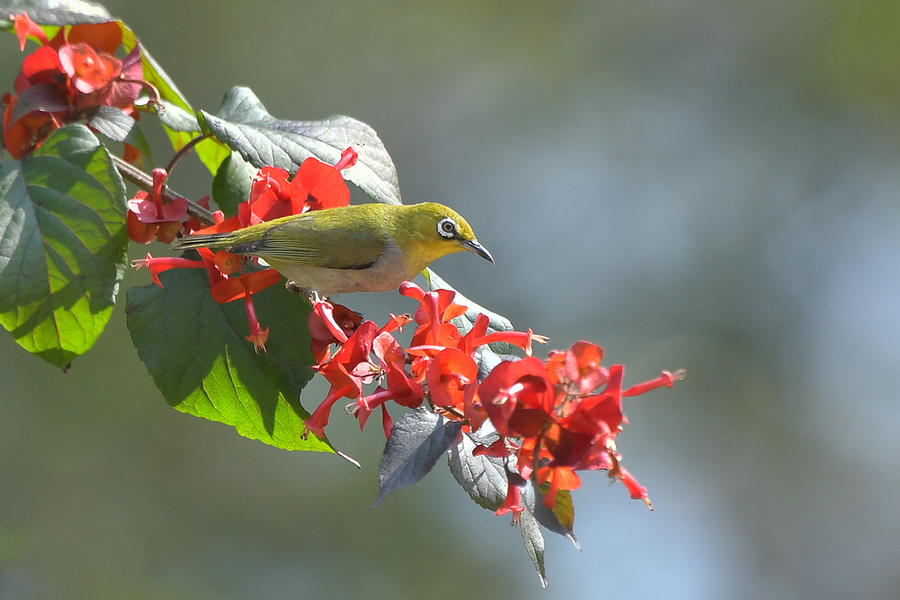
[{"x": 182, "y": 152}]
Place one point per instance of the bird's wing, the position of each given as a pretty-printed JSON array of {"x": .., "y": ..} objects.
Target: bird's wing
[{"x": 314, "y": 242}]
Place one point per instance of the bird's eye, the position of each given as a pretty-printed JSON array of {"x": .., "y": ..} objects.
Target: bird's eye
[{"x": 447, "y": 227}]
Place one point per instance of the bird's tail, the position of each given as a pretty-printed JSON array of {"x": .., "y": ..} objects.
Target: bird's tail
[{"x": 214, "y": 241}]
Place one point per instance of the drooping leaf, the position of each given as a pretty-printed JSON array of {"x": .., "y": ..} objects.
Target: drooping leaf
[
  {"x": 195, "y": 350},
  {"x": 118, "y": 126},
  {"x": 176, "y": 118},
  {"x": 62, "y": 244},
  {"x": 43, "y": 97},
  {"x": 534, "y": 543},
  {"x": 560, "y": 519},
  {"x": 246, "y": 126},
  {"x": 56, "y": 13},
  {"x": 483, "y": 477},
  {"x": 232, "y": 182},
  {"x": 417, "y": 441}
]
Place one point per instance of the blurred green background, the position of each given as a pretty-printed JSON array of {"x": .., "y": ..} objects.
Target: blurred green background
[{"x": 709, "y": 185}]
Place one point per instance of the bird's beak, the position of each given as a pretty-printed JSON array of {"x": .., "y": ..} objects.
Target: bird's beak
[{"x": 474, "y": 246}]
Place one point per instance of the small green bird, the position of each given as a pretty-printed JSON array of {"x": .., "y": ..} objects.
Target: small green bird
[{"x": 359, "y": 248}]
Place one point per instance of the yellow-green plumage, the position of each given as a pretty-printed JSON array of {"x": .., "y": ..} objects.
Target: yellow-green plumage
[{"x": 361, "y": 248}]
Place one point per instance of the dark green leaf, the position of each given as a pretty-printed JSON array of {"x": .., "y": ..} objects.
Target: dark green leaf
[
  {"x": 244, "y": 124},
  {"x": 177, "y": 118},
  {"x": 54, "y": 12},
  {"x": 417, "y": 441},
  {"x": 231, "y": 185},
  {"x": 534, "y": 543},
  {"x": 195, "y": 350},
  {"x": 111, "y": 122},
  {"x": 483, "y": 477},
  {"x": 560, "y": 519},
  {"x": 43, "y": 97},
  {"x": 62, "y": 244},
  {"x": 118, "y": 126}
]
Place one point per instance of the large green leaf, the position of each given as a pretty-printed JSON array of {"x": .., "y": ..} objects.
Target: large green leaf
[
  {"x": 262, "y": 140},
  {"x": 197, "y": 353},
  {"x": 232, "y": 183},
  {"x": 62, "y": 244},
  {"x": 56, "y": 13}
]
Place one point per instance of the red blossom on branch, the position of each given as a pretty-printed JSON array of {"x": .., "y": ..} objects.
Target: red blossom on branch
[
  {"x": 66, "y": 76},
  {"x": 555, "y": 417}
]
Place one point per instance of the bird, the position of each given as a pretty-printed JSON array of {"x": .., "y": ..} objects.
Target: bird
[{"x": 357, "y": 248}]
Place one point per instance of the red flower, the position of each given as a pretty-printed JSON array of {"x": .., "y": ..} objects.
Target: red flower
[
  {"x": 315, "y": 186},
  {"x": 258, "y": 335},
  {"x": 25, "y": 133},
  {"x": 148, "y": 210},
  {"x": 559, "y": 478},
  {"x": 68, "y": 74},
  {"x": 319, "y": 186},
  {"x": 88, "y": 70},
  {"x": 330, "y": 324},
  {"x": 518, "y": 397},
  {"x": 26, "y": 27},
  {"x": 125, "y": 89},
  {"x": 164, "y": 263},
  {"x": 149, "y": 215},
  {"x": 345, "y": 372},
  {"x": 513, "y": 502},
  {"x": 448, "y": 375},
  {"x": 235, "y": 288}
]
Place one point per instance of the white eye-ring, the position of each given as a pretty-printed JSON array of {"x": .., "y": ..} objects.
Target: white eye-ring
[{"x": 447, "y": 227}]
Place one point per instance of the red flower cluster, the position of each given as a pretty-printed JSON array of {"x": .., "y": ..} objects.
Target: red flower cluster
[
  {"x": 68, "y": 74},
  {"x": 273, "y": 194},
  {"x": 555, "y": 417}
]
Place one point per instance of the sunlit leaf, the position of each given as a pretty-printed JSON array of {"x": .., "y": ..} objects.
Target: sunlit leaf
[
  {"x": 418, "y": 439},
  {"x": 482, "y": 477},
  {"x": 62, "y": 244},
  {"x": 177, "y": 118},
  {"x": 195, "y": 350},
  {"x": 262, "y": 140},
  {"x": 118, "y": 126},
  {"x": 56, "y": 13},
  {"x": 534, "y": 543},
  {"x": 560, "y": 519},
  {"x": 231, "y": 185}
]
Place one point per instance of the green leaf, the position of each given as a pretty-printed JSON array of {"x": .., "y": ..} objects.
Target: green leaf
[
  {"x": 483, "y": 477},
  {"x": 244, "y": 124},
  {"x": 560, "y": 519},
  {"x": 56, "y": 13},
  {"x": 232, "y": 182},
  {"x": 177, "y": 118},
  {"x": 195, "y": 350},
  {"x": 417, "y": 440},
  {"x": 118, "y": 126},
  {"x": 534, "y": 543},
  {"x": 62, "y": 244}
]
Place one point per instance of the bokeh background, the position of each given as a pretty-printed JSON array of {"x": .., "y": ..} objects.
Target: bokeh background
[{"x": 700, "y": 184}]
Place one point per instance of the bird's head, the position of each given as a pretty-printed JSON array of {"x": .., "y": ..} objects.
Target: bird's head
[{"x": 432, "y": 230}]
